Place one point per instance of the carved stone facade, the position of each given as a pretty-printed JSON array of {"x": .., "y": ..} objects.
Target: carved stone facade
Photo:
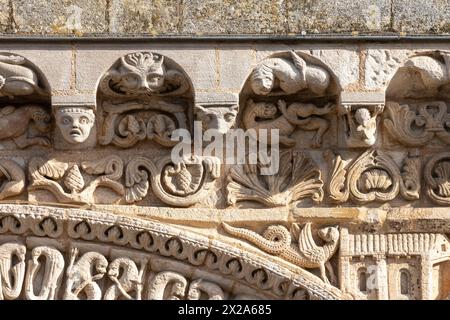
[{"x": 94, "y": 206}]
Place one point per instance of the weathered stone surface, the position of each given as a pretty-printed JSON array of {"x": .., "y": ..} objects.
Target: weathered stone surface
[
  {"x": 421, "y": 16},
  {"x": 361, "y": 188},
  {"x": 60, "y": 17},
  {"x": 152, "y": 17},
  {"x": 338, "y": 16},
  {"x": 5, "y": 16}
]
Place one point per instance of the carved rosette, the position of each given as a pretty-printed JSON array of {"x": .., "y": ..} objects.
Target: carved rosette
[
  {"x": 298, "y": 178},
  {"x": 373, "y": 176}
]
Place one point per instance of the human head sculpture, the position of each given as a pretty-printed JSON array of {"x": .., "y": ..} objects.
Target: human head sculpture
[
  {"x": 75, "y": 123},
  {"x": 140, "y": 73},
  {"x": 262, "y": 79},
  {"x": 363, "y": 116}
]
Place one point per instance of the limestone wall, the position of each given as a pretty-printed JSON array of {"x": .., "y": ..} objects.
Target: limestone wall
[{"x": 223, "y": 17}]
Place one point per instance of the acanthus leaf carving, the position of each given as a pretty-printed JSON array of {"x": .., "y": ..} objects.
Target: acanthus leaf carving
[
  {"x": 125, "y": 124},
  {"x": 181, "y": 184},
  {"x": 437, "y": 177},
  {"x": 418, "y": 123},
  {"x": 299, "y": 178},
  {"x": 46, "y": 174},
  {"x": 373, "y": 176}
]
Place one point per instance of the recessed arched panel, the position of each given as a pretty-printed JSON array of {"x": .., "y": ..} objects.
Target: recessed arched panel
[
  {"x": 143, "y": 96},
  {"x": 25, "y": 119}
]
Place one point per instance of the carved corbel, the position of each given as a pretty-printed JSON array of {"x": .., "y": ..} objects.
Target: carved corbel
[{"x": 359, "y": 112}]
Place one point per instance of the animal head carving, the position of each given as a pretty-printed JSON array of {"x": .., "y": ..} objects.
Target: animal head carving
[
  {"x": 329, "y": 234},
  {"x": 220, "y": 118},
  {"x": 42, "y": 119}
]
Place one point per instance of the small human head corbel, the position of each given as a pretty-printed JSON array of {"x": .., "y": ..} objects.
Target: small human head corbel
[{"x": 75, "y": 123}]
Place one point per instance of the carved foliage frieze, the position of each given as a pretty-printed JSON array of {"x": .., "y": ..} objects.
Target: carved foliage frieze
[
  {"x": 373, "y": 176},
  {"x": 298, "y": 178}
]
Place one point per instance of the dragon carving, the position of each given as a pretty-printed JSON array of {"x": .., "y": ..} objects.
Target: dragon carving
[{"x": 277, "y": 240}]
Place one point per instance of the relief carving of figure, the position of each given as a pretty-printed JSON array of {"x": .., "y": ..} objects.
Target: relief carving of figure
[
  {"x": 277, "y": 240},
  {"x": 80, "y": 277},
  {"x": 54, "y": 266},
  {"x": 290, "y": 77},
  {"x": 11, "y": 273},
  {"x": 361, "y": 125},
  {"x": 128, "y": 281},
  {"x": 15, "y": 123},
  {"x": 143, "y": 74},
  {"x": 17, "y": 79},
  {"x": 75, "y": 123},
  {"x": 306, "y": 116}
]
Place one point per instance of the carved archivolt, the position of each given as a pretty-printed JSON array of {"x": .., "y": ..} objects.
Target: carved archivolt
[
  {"x": 373, "y": 176},
  {"x": 135, "y": 260},
  {"x": 298, "y": 178}
]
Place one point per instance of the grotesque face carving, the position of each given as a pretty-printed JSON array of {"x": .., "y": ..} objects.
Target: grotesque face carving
[
  {"x": 219, "y": 118},
  {"x": 140, "y": 73},
  {"x": 75, "y": 123}
]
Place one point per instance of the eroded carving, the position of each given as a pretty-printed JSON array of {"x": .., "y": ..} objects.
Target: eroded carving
[
  {"x": 16, "y": 122},
  {"x": 361, "y": 124},
  {"x": 143, "y": 74},
  {"x": 17, "y": 78},
  {"x": 298, "y": 178},
  {"x": 54, "y": 266},
  {"x": 306, "y": 116},
  {"x": 280, "y": 76},
  {"x": 12, "y": 270},
  {"x": 417, "y": 123}
]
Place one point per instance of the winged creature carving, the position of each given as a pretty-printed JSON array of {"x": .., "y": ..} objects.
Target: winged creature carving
[{"x": 277, "y": 240}]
